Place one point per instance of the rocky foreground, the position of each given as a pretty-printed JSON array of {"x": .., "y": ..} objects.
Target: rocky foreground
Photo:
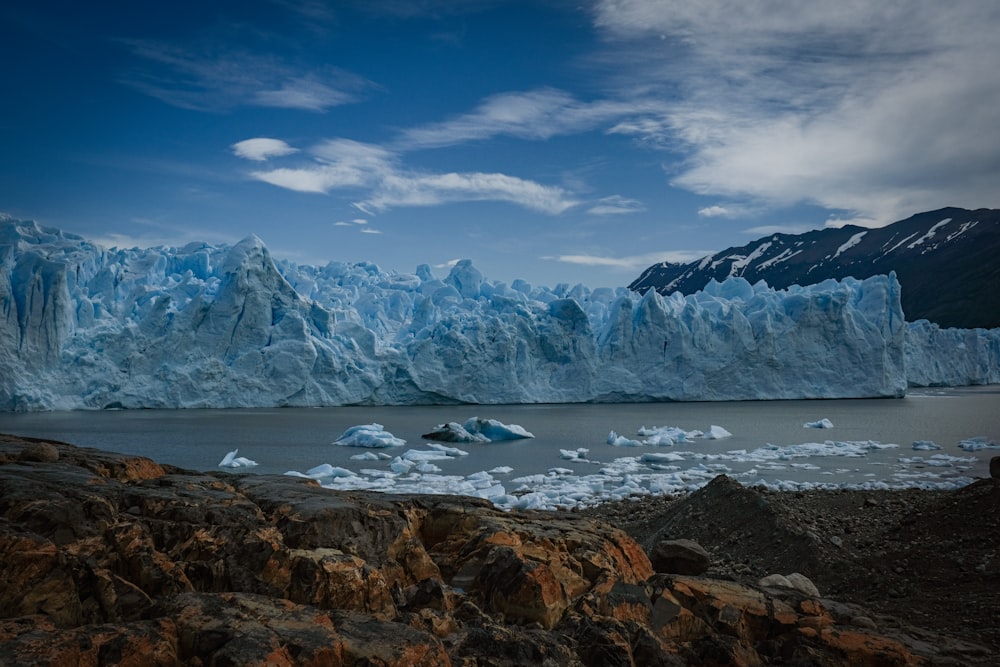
[{"x": 109, "y": 559}]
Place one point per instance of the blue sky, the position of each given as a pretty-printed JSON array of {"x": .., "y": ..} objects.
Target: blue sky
[{"x": 559, "y": 142}]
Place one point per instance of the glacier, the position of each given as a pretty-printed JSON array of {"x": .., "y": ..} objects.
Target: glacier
[{"x": 218, "y": 326}]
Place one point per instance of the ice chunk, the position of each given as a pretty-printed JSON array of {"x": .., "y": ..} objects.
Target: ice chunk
[
  {"x": 495, "y": 430},
  {"x": 978, "y": 443},
  {"x": 925, "y": 445},
  {"x": 368, "y": 435},
  {"x": 453, "y": 432},
  {"x": 230, "y": 460},
  {"x": 477, "y": 430},
  {"x": 621, "y": 441},
  {"x": 716, "y": 433},
  {"x": 822, "y": 423}
]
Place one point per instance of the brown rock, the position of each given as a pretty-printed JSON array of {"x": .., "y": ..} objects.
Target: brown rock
[
  {"x": 114, "y": 559},
  {"x": 40, "y": 452}
]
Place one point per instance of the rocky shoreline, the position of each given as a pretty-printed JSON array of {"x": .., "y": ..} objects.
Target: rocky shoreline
[{"x": 116, "y": 560}]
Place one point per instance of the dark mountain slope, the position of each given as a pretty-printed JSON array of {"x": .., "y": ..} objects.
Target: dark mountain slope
[{"x": 947, "y": 261}]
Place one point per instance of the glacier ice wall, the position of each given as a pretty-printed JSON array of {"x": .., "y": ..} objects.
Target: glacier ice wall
[
  {"x": 937, "y": 357},
  {"x": 227, "y": 326}
]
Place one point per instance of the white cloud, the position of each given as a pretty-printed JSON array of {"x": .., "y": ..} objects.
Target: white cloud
[
  {"x": 616, "y": 205},
  {"x": 345, "y": 164},
  {"x": 876, "y": 108},
  {"x": 306, "y": 93},
  {"x": 369, "y": 230},
  {"x": 262, "y": 148},
  {"x": 536, "y": 114},
  {"x": 720, "y": 211},
  {"x": 631, "y": 263}
]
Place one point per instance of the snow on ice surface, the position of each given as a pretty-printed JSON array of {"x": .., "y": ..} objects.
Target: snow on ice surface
[{"x": 227, "y": 326}]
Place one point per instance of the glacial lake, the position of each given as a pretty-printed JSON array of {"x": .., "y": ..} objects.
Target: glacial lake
[{"x": 769, "y": 443}]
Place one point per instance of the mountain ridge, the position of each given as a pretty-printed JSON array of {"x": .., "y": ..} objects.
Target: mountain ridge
[{"x": 945, "y": 260}]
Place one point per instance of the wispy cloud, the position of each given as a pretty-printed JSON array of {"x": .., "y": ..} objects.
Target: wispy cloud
[
  {"x": 616, "y": 205},
  {"x": 262, "y": 148},
  {"x": 217, "y": 79},
  {"x": 876, "y": 108},
  {"x": 535, "y": 114},
  {"x": 630, "y": 263},
  {"x": 386, "y": 183}
]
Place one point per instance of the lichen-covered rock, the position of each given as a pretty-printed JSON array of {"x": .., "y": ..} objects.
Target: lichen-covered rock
[{"x": 114, "y": 559}]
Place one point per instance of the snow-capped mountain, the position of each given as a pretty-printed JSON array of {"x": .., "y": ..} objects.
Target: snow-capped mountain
[
  {"x": 947, "y": 262},
  {"x": 82, "y": 326}
]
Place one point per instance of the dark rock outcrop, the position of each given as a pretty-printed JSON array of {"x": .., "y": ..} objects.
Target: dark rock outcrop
[{"x": 110, "y": 559}]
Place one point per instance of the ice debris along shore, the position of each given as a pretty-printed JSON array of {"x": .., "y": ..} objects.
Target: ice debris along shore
[
  {"x": 203, "y": 326},
  {"x": 660, "y": 468}
]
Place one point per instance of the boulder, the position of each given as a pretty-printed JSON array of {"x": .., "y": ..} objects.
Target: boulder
[
  {"x": 679, "y": 557},
  {"x": 995, "y": 467}
]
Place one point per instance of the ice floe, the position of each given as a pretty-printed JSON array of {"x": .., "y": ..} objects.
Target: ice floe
[
  {"x": 368, "y": 435},
  {"x": 230, "y": 460}
]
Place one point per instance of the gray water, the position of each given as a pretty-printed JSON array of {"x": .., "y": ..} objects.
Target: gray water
[{"x": 287, "y": 439}]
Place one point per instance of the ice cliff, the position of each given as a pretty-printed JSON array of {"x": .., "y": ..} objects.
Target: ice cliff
[{"x": 82, "y": 326}]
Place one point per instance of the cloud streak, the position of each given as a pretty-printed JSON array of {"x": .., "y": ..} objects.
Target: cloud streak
[
  {"x": 217, "y": 79},
  {"x": 630, "y": 263},
  {"x": 385, "y": 183}
]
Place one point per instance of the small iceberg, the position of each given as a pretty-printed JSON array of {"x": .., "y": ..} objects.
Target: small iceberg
[
  {"x": 822, "y": 423},
  {"x": 373, "y": 436},
  {"x": 925, "y": 446},
  {"x": 477, "y": 430},
  {"x": 230, "y": 460},
  {"x": 976, "y": 444},
  {"x": 616, "y": 440},
  {"x": 718, "y": 433}
]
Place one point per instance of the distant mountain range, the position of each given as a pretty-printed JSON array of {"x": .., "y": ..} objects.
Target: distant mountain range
[{"x": 947, "y": 262}]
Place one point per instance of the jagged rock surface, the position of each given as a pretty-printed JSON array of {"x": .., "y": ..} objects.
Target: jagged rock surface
[{"x": 110, "y": 559}]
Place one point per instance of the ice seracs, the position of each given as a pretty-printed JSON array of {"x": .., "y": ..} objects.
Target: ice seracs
[{"x": 214, "y": 326}]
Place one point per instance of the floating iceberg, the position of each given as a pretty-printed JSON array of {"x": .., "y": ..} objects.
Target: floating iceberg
[
  {"x": 368, "y": 435},
  {"x": 477, "y": 430},
  {"x": 978, "y": 443},
  {"x": 215, "y": 326},
  {"x": 925, "y": 445},
  {"x": 822, "y": 423},
  {"x": 230, "y": 460}
]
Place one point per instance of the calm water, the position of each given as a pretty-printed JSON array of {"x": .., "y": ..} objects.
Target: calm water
[{"x": 299, "y": 438}]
